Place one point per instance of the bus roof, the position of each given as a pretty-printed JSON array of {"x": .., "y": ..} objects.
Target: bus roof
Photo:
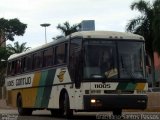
[
  {"x": 85, "y": 34},
  {"x": 108, "y": 34}
]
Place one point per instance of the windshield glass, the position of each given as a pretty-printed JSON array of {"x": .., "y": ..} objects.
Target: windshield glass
[
  {"x": 100, "y": 59},
  {"x": 131, "y": 59},
  {"x": 113, "y": 59}
]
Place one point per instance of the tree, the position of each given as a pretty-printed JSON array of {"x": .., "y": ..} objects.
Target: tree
[
  {"x": 67, "y": 29},
  {"x": 142, "y": 25},
  {"x": 4, "y": 54},
  {"x": 147, "y": 25},
  {"x": 17, "y": 48},
  {"x": 156, "y": 26},
  {"x": 10, "y": 28}
]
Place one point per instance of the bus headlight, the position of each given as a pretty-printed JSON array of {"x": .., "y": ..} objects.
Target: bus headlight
[
  {"x": 93, "y": 101},
  {"x": 96, "y": 103}
]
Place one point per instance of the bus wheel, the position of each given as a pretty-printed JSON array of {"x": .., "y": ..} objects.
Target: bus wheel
[
  {"x": 56, "y": 112},
  {"x": 22, "y": 111},
  {"x": 117, "y": 112},
  {"x": 66, "y": 111}
]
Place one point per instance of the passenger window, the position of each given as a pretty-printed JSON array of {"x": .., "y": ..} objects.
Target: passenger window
[
  {"x": 48, "y": 57},
  {"x": 9, "y": 69},
  {"x": 24, "y": 65},
  {"x": 29, "y": 63},
  {"x": 37, "y": 58},
  {"x": 18, "y": 66},
  {"x": 61, "y": 54},
  {"x": 13, "y": 68}
]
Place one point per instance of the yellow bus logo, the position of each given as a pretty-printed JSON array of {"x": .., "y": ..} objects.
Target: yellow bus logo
[{"x": 61, "y": 75}]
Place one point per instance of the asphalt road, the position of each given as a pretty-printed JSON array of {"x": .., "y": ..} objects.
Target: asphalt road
[{"x": 8, "y": 114}]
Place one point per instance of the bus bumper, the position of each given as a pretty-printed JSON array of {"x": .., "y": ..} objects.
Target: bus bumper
[{"x": 110, "y": 102}]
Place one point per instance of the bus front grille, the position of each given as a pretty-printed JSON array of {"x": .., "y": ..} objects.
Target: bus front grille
[{"x": 118, "y": 91}]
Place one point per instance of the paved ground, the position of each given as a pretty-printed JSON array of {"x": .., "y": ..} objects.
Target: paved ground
[
  {"x": 11, "y": 114},
  {"x": 8, "y": 113},
  {"x": 3, "y": 104}
]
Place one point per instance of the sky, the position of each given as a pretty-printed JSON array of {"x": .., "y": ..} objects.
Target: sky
[{"x": 109, "y": 15}]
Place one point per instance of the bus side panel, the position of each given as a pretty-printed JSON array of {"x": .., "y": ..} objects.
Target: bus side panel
[
  {"x": 29, "y": 97},
  {"x": 44, "y": 89},
  {"x": 40, "y": 91},
  {"x": 14, "y": 94},
  {"x": 61, "y": 81},
  {"x": 54, "y": 97},
  {"x": 48, "y": 88},
  {"x": 36, "y": 79},
  {"x": 29, "y": 94},
  {"x": 9, "y": 97}
]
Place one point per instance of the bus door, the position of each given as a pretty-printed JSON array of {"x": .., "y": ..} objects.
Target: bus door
[
  {"x": 75, "y": 61},
  {"x": 75, "y": 69}
]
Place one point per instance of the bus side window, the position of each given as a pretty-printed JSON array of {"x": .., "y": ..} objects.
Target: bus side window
[
  {"x": 23, "y": 66},
  {"x": 37, "y": 60},
  {"x": 18, "y": 66},
  {"x": 29, "y": 62},
  {"x": 13, "y": 68},
  {"x": 61, "y": 54},
  {"x": 34, "y": 60},
  {"x": 48, "y": 57},
  {"x": 44, "y": 58},
  {"x": 40, "y": 60}
]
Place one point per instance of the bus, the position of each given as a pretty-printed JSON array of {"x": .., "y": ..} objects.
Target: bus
[{"x": 85, "y": 71}]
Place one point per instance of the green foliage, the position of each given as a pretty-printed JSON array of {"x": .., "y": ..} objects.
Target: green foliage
[
  {"x": 156, "y": 26},
  {"x": 67, "y": 29},
  {"x": 17, "y": 48},
  {"x": 147, "y": 24},
  {"x": 4, "y": 54},
  {"x": 10, "y": 28}
]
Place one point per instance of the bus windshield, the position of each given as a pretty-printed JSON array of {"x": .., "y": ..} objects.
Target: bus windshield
[{"x": 113, "y": 59}]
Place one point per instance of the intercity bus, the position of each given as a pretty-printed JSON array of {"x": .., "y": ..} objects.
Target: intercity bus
[{"x": 85, "y": 71}]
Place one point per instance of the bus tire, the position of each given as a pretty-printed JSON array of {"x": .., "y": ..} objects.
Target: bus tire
[
  {"x": 117, "y": 112},
  {"x": 22, "y": 111},
  {"x": 65, "y": 106},
  {"x": 56, "y": 112}
]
